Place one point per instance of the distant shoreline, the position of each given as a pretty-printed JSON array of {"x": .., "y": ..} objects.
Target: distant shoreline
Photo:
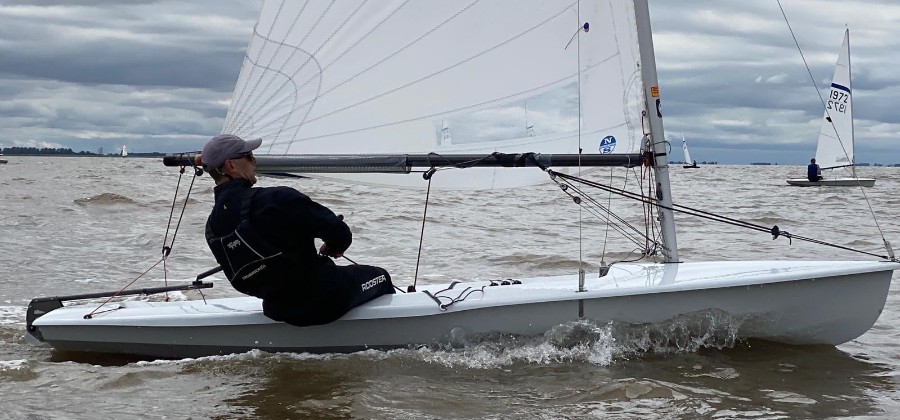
[{"x": 130, "y": 155}]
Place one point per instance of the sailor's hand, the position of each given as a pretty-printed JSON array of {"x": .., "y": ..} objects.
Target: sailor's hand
[{"x": 323, "y": 250}]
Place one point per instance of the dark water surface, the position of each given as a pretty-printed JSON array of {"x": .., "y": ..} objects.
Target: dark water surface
[{"x": 79, "y": 225}]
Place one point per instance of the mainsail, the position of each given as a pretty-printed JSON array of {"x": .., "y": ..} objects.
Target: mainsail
[
  {"x": 362, "y": 77},
  {"x": 687, "y": 155},
  {"x": 835, "y": 148}
]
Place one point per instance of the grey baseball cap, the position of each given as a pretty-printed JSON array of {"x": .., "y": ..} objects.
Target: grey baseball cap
[{"x": 226, "y": 146}]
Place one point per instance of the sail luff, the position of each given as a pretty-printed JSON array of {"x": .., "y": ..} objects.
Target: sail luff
[{"x": 657, "y": 133}]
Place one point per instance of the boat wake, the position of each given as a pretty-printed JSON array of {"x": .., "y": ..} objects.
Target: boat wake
[{"x": 586, "y": 341}]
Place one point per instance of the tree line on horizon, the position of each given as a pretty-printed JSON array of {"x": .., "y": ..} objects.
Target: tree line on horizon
[
  {"x": 19, "y": 150},
  {"x": 60, "y": 151}
]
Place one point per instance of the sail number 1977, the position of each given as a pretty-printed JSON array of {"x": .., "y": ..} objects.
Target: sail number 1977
[{"x": 838, "y": 101}]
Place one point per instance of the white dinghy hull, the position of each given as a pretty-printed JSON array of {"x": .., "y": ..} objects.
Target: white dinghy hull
[
  {"x": 833, "y": 182},
  {"x": 806, "y": 302}
]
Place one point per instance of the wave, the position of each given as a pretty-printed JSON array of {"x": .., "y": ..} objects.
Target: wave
[{"x": 104, "y": 198}]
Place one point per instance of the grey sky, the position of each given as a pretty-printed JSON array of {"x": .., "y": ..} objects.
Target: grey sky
[{"x": 157, "y": 75}]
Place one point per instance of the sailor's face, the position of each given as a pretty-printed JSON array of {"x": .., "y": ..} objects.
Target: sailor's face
[{"x": 243, "y": 167}]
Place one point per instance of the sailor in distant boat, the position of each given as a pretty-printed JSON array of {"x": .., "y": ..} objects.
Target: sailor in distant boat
[
  {"x": 264, "y": 239},
  {"x": 813, "y": 172}
]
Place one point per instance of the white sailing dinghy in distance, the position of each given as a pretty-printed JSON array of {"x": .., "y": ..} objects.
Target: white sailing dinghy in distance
[
  {"x": 379, "y": 79},
  {"x": 689, "y": 163},
  {"x": 835, "y": 149}
]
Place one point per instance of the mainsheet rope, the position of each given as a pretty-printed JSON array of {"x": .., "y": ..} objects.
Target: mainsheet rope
[{"x": 166, "y": 249}]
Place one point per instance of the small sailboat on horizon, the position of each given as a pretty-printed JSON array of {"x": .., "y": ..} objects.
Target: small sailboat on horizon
[
  {"x": 688, "y": 162},
  {"x": 835, "y": 149}
]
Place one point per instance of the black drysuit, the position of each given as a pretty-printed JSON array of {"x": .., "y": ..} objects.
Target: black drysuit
[{"x": 264, "y": 239}]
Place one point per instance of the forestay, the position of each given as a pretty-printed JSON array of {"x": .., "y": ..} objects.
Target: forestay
[{"x": 390, "y": 76}]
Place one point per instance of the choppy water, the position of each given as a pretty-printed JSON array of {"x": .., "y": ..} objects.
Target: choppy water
[{"x": 78, "y": 225}]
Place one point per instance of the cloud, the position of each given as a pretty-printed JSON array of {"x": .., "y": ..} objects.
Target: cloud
[
  {"x": 157, "y": 75},
  {"x": 107, "y": 72}
]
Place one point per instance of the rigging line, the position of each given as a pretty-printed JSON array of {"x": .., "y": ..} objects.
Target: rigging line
[
  {"x": 608, "y": 218},
  {"x": 109, "y": 298},
  {"x": 165, "y": 248},
  {"x": 684, "y": 209},
  {"x": 165, "y": 279},
  {"x": 172, "y": 210},
  {"x": 813, "y": 79},
  {"x": 649, "y": 243},
  {"x": 422, "y": 232},
  {"x": 617, "y": 227},
  {"x": 647, "y": 174},
  {"x": 609, "y": 211},
  {"x": 719, "y": 218},
  {"x": 624, "y": 185},
  {"x": 463, "y": 295},
  {"x": 168, "y": 249}
]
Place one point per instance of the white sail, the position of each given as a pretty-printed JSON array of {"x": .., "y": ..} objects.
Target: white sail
[
  {"x": 365, "y": 77},
  {"x": 124, "y": 151},
  {"x": 835, "y": 147},
  {"x": 687, "y": 155}
]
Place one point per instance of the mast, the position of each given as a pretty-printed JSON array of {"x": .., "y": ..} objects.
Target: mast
[
  {"x": 850, "y": 86},
  {"x": 657, "y": 134}
]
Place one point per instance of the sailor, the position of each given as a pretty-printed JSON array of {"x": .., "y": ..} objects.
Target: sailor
[
  {"x": 264, "y": 239},
  {"x": 813, "y": 172}
]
